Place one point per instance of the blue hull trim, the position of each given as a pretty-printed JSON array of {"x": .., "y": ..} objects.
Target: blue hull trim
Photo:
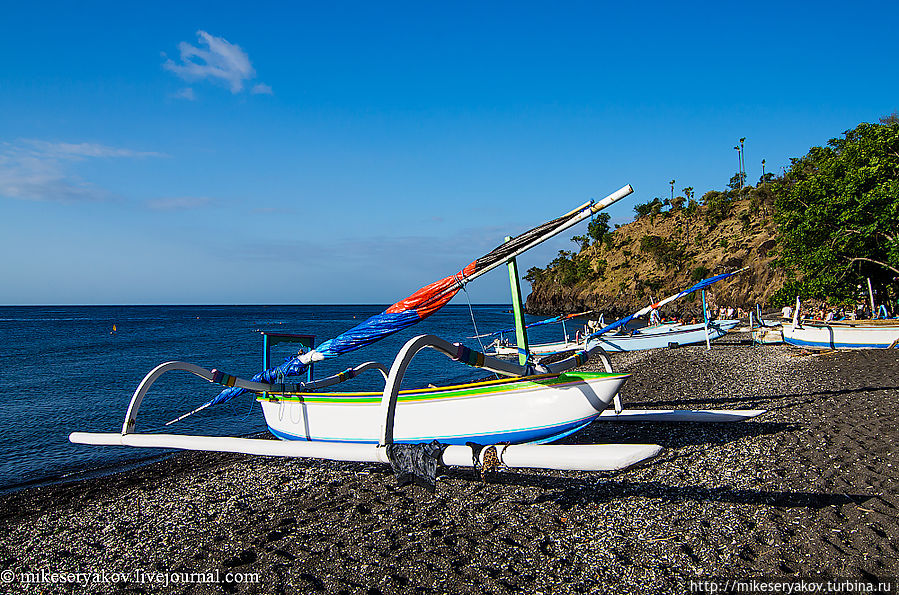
[
  {"x": 533, "y": 435},
  {"x": 832, "y": 345}
]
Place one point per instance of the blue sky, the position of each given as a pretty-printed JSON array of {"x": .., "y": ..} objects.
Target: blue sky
[{"x": 352, "y": 152}]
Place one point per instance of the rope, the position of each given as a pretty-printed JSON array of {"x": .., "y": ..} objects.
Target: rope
[
  {"x": 249, "y": 411},
  {"x": 473, "y": 323}
]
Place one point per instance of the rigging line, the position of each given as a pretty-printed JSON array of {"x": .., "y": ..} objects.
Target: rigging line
[
  {"x": 247, "y": 416},
  {"x": 473, "y": 323}
]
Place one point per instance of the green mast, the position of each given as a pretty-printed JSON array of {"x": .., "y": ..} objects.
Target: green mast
[{"x": 521, "y": 335}]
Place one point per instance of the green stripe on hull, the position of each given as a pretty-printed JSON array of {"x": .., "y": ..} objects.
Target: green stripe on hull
[{"x": 449, "y": 392}]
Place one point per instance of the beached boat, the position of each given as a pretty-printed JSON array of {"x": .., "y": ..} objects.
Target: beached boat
[
  {"x": 537, "y": 403},
  {"x": 502, "y": 348},
  {"x": 840, "y": 334},
  {"x": 675, "y": 336},
  {"x": 502, "y": 422},
  {"x": 764, "y": 332},
  {"x": 843, "y": 334}
]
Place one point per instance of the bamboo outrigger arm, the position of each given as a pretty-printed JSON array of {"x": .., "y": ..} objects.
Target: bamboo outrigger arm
[
  {"x": 228, "y": 380},
  {"x": 455, "y": 351}
]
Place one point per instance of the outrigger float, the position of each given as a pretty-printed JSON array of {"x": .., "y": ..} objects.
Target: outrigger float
[{"x": 496, "y": 422}]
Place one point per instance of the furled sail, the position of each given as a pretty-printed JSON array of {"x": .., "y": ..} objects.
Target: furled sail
[{"x": 426, "y": 300}]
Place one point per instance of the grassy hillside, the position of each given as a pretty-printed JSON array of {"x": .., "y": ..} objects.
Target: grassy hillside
[{"x": 666, "y": 249}]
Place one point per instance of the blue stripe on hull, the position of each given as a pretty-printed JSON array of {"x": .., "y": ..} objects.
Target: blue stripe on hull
[
  {"x": 832, "y": 345},
  {"x": 535, "y": 435}
]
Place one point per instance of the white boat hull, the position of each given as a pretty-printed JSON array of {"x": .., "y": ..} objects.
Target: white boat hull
[
  {"x": 540, "y": 348},
  {"x": 516, "y": 411},
  {"x": 677, "y": 336},
  {"x": 843, "y": 334}
]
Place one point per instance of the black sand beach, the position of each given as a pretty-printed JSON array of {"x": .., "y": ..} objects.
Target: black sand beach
[{"x": 807, "y": 490}]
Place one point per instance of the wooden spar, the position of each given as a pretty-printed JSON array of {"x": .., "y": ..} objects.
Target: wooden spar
[
  {"x": 521, "y": 334},
  {"x": 587, "y": 210}
]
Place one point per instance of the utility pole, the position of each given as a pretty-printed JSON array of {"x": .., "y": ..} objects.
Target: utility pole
[
  {"x": 742, "y": 163},
  {"x": 688, "y": 191}
]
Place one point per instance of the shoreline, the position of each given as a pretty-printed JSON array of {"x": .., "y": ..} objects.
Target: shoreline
[{"x": 808, "y": 489}]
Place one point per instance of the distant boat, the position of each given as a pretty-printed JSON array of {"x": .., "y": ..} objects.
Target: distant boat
[
  {"x": 653, "y": 337},
  {"x": 842, "y": 334},
  {"x": 673, "y": 336},
  {"x": 502, "y": 347}
]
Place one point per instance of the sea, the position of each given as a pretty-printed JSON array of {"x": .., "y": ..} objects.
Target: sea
[{"x": 74, "y": 368}]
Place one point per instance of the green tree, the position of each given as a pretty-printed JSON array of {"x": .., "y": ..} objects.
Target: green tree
[
  {"x": 891, "y": 119},
  {"x": 598, "y": 228},
  {"x": 534, "y": 274},
  {"x": 837, "y": 211},
  {"x": 766, "y": 178},
  {"x": 642, "y": 210},
  {"x": 582, "y": 241},
  {"x": 718, "y": 206},
  {"x": 666, "y": 253}
]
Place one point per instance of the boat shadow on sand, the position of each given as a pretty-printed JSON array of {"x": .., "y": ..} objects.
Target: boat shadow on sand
[
  {"x": 770, "y": 402},
  {"x": 568, "y": 492},
  {"x": 677, "y": 434},
  {"x": 591, "y": 492}
]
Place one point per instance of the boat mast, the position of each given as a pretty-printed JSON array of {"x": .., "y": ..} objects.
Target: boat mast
[{"x": 521, "y": 334}]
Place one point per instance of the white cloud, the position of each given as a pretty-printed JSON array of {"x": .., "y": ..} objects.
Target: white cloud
[
  {"x": 261, "y": 89},
  {"x": 178, "y": 203},
  {"x": 186, "y": 93},
  {"x": 39, "y": 170},
  {"x": 79, "y": 150},
  {"x": 217, "y": 59}
]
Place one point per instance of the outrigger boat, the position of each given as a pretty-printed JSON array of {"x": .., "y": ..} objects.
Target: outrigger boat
[
  {"x": 502, "y": 422},
  {"x": 535, "y": 404},
  {"x": 650, "y": 337},
  {"x": 674, "y": 336},
  {"x": 655, "y": 337},
  {"x": 502, "y": 347},
  {"x": 842, "y": 334}
]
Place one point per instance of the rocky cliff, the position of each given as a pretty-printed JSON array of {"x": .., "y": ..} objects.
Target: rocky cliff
[{"x": 660, "y": 254}]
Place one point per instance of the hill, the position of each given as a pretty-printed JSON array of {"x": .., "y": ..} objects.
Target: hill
[{"x": 663, "y": 252}]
